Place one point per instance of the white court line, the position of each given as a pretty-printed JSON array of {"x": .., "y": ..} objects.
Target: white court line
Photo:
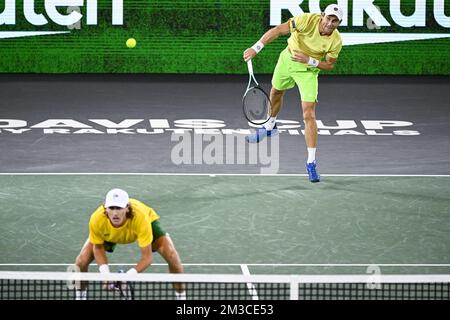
[
  {"x": 258, "y": 264},
  {"x": 250, "y": 286},
  {"x": 210, "y": 174}
]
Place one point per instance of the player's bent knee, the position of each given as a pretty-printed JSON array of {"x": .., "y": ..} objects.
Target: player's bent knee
[
  {"x": 174, "y": 261},
  {"x": 309, "y": 116},
  {"x": 164, "y": 246},
  {"x": 83, "y": 260},
  {"x": 172, "y": 255},
  {"x": 276, "y": 92}
]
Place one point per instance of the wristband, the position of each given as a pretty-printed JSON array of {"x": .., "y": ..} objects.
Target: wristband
[
  {"x": 313, "y": 62},
  {"x": 258, "y": 46},
  {"x": 132, "y": 271},
  {"x": 103, "y": 268}
]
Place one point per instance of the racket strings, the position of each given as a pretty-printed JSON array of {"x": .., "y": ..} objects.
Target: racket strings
[
  {"x": 256, "y": 105},
  {"x": 256, "y": 102}
]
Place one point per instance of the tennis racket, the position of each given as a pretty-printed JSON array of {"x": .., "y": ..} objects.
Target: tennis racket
[
  {"x": 256, "y": 103},
  {"x": 125, "y": 289}
]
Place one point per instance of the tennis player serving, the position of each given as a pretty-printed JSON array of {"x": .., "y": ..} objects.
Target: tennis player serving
[
  {"x": 124, "y": 220},
  {"x": 314, "y": 45}
]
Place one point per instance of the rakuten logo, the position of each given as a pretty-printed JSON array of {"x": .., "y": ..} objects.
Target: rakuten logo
[
  {"x": 376, "y": 19},
  {"x": 8, "y": 16},
  {"x": 361, "y": 7}
]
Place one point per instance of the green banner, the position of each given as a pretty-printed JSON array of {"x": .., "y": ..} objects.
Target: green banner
[{"x": 404, "y": 37}]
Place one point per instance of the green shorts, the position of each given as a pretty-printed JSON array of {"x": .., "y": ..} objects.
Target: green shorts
[
  {"x": 289, "y": 73},
  {"x": 157, "y": 230}
]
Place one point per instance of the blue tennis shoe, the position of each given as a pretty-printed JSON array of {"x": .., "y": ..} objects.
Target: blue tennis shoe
[
  {"x": 260, "y": 134},
  {"x": 312, "y": 172}
]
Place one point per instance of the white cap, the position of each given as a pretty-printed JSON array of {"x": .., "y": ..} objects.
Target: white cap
[
  {"x": 334, "y": 10},
  {"x": 116, "y": 198}
]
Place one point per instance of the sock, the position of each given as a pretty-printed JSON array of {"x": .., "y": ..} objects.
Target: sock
[
  {"x": 311, "y": 155},
  {"x": 180, "y": 295},
  {"x": 81, "y": 295},
  {"x": 270, "y": 124}
]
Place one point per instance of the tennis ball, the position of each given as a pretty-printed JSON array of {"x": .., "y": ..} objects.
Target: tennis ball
[{"x": 131, "y": 43}]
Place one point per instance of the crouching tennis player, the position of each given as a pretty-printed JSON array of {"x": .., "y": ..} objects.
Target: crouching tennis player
[{"x": 125, "y": 220}]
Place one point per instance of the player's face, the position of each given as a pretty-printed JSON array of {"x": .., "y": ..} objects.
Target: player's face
[
  {"x": 117, "y": 215},
  {"x": 328, "y": 24}
]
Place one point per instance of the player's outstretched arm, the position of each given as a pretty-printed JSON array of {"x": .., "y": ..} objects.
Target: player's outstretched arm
[
  {"x": 267, "y": 38},
  {"x": 100, "y": 255},
  {"x": 146, "y": 259}
]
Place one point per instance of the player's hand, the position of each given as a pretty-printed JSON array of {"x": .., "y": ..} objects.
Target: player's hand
[
  {"x": 300, "y": 57},
  {"x": 249, "y": 54}
]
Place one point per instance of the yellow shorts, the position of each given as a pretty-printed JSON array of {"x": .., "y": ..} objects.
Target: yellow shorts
[{"x": 289, "y": 73}]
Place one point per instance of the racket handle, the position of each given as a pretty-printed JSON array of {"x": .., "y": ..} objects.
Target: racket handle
[{"x": 250, "y": 66}]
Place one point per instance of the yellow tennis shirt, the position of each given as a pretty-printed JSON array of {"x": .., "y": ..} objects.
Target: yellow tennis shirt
[
  {"x": 138, "y": 228},
  {"x": 305, "y": 37}
]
